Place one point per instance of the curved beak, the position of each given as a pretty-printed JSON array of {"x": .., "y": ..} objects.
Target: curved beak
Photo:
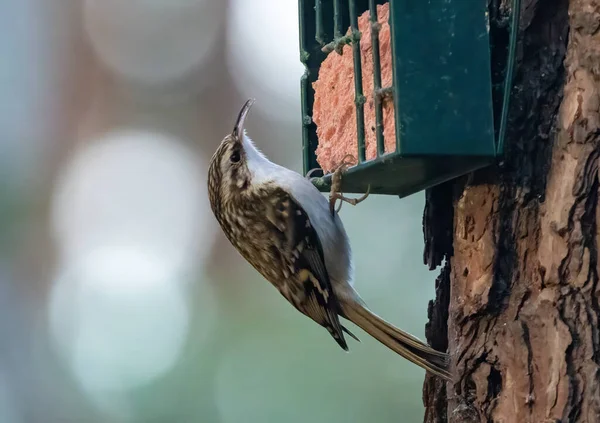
[{"x": 238, "y": 129}]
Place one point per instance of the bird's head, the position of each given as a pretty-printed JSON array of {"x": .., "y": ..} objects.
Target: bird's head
[{"x": 233, "y": 166}]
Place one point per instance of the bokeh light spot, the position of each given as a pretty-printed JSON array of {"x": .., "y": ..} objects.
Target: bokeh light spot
[
  {"x": 262, "y": 53},
  {"x": 153, "y": 42},
  {"x": 134, "y": 187},
  {"x": 118, "y": 317}
]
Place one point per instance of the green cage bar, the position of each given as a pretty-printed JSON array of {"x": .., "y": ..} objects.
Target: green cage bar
[
  {"x": 337, "y": 19},
  {"x": 395, "y": 77},
  {"x": 377, "y": 97},
  {"x": 320, "y": 32},
  {"x": 359, "y": 99},
  {"x": 306, "y": 92}
]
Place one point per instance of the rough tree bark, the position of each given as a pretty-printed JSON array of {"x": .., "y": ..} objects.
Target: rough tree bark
[{"x": 517, "y": 299}]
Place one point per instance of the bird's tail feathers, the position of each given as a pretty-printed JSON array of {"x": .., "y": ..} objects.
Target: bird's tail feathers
[
  {"x": 397, "y": 340},
  {"x": 353, "y": 336}
]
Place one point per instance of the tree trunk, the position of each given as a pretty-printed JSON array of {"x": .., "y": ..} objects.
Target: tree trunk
[{"x": 517, "y": 299}]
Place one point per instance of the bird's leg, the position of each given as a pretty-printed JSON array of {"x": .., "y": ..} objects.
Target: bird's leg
[{"x": 336, "y": 185}]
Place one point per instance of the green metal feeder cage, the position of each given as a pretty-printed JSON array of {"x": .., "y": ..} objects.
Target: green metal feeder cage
[{"x": 441, "y": 88}]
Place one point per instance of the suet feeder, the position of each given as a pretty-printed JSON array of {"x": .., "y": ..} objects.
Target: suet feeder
[{"x": 427, "y": 118}]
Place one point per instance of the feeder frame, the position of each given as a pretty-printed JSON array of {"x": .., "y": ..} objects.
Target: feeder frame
[{"x": 441, "y": 89}]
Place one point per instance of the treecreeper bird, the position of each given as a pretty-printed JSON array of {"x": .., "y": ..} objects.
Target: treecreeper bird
[{"x": 284, "y": 227}]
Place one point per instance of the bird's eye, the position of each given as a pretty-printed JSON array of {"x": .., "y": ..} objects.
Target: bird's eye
[{"x": 235, "y": 157}]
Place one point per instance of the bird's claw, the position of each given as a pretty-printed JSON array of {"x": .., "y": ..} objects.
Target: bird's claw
[
  {"x": 333, "y": 197},
  {"x": 336, "y": 184}
]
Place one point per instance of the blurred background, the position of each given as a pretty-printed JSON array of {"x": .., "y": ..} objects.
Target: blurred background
[{"x": 120, "y": 299}]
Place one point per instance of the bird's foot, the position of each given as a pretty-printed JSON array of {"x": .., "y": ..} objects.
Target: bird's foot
[{"x": 336, "y": 185}]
